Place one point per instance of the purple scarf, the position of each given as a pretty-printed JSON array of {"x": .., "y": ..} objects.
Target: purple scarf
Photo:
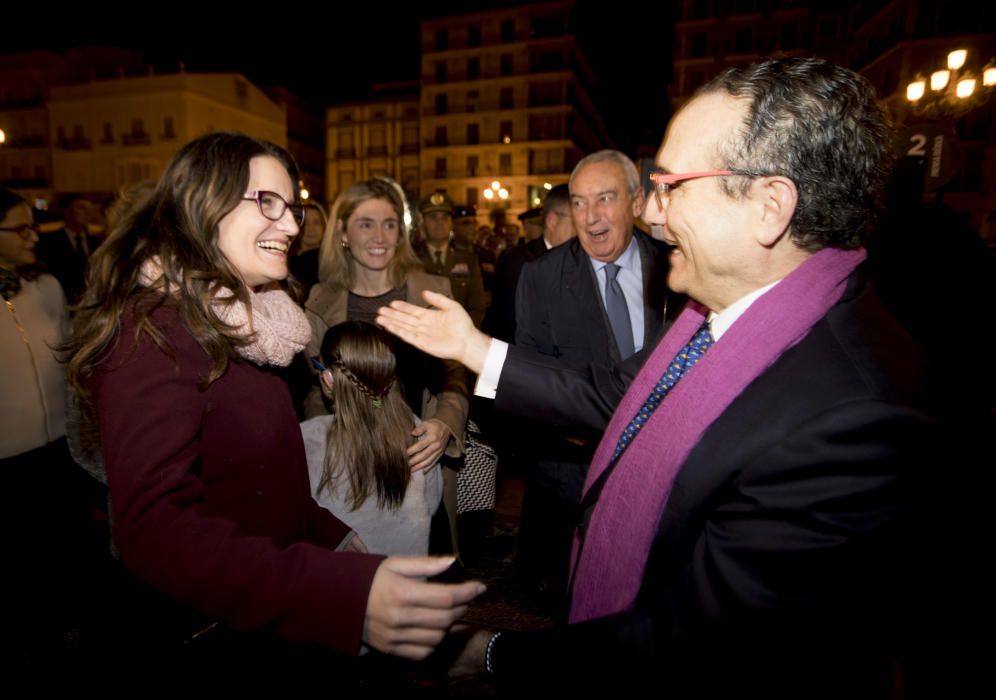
[{"x": 628, "y": 511}]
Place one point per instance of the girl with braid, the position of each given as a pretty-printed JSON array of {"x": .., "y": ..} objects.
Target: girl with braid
[{"x": 357, "y": 455}]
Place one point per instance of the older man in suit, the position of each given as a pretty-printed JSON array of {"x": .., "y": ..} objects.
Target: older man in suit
[
  {"x": 598, "y": 298},
  {"x": 753, "y": 502}
]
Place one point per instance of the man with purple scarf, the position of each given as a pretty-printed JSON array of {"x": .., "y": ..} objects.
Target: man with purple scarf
[{"x": 750, "y": 508}]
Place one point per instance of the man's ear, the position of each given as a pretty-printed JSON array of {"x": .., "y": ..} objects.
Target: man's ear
[
  {"x": 639, "y": 203},
  {"x": 326, "y": 379},
  {"x": 778, "y": 198}
]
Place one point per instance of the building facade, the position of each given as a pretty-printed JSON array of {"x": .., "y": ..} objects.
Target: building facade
[{"x": 506, "y": 98}]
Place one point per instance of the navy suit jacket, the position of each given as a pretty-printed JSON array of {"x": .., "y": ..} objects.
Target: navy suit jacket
[{"x": 779, "y": 558}]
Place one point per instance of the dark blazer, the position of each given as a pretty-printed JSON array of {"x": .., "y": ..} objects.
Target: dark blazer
[
  {"x": 64, "y": 262},
  {"x": 779, "y": 560},
  {"x": 210, "y": 491},
  {"x": 560, "y": 313},
  {"x": 500, "y": 319}
]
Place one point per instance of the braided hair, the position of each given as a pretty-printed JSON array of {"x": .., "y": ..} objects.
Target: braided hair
[{"x": 372, "y": 424}]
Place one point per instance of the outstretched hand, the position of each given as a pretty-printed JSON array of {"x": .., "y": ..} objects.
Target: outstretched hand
[
  {"x": 409, "y": 617},
  {"x": 445, "y": 331}
]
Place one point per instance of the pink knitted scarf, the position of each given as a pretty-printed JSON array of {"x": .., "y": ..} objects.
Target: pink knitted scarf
[
  {"x": 626, "y": 517},
  {"x": 274, "y": 326}
]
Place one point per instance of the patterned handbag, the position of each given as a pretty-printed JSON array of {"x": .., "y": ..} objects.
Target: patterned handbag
[{"x": 476, "y": 479}]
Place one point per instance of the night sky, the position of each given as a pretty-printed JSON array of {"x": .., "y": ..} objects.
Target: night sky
[{"x": 332, "y": 52}]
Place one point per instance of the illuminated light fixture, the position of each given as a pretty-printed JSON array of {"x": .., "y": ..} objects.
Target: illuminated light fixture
[
  {"x": 956, "y": 59},
  {"x": 955, "y": 90},
  {"x": 965, "y": 88},
  {"x": 547, "y": 186},
  {"x": 989, "y": 76},
  {"x": 495, "y": 192},
  {"x": 507, "y": 139},
  {"x": 305, "y": 194}
]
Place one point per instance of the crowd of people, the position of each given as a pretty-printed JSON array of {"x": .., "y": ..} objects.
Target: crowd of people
[{"x": 743, "y": 474}]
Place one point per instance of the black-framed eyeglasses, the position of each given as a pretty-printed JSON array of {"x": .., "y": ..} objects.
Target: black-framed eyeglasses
[
  {"x": 272, "y": 206},
  {"x": 25, "y": 231},
  {"x": 665, "y": 182}
]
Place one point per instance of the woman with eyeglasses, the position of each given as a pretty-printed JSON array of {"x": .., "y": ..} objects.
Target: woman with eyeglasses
[
  {"x": 366, "y": 261},
  {"x": 175, "y": 346},
  {"x": 45, "y": 512}
]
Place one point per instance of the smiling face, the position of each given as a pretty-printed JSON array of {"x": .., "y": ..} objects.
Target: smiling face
[
  {"x": 372, "y": 234},
  {"x": 15, "y": 250},
  {"x": 713, "y": 253},
  {"x": 254, "y": 245},
  {"x": 603, "y": 210}
]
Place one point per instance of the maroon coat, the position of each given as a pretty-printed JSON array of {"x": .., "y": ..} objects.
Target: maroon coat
[{"x": 210, "y": 493}]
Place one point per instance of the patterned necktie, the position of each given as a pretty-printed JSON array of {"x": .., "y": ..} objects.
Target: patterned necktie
[
  {"x": 618, "y": 312},
  {"x": 439, "y": 258},
  {"x": 682, "y": 362}
]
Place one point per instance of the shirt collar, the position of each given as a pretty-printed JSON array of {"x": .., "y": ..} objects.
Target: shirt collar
[
  {"x": 629, "y": 260},
  {"x": 721, "y": 322}
]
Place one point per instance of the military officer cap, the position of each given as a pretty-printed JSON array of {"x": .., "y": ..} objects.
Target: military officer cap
[
  {"x": 437, "y": 201},
  {"x": 461, "y": 211},
  {"x": 531, "y": 215}
]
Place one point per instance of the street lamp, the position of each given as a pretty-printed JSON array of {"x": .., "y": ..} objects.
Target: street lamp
[
  {"x": 495, "y": 194},
  {"x": 954, "y": 91}
]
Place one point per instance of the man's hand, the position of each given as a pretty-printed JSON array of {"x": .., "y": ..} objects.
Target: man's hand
[
  {"x": 431, "y": 438},
  {"x": 409, "y": 617},
  {"x": 445, "y": 331}
]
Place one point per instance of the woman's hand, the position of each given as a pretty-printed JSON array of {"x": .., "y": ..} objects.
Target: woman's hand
[
  {"x": 431, "y": 438},
  {"x": 409, "y": 617}
]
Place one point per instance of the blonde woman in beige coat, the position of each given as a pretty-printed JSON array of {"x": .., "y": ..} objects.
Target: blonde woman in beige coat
[{"x": 366, "y": 261}]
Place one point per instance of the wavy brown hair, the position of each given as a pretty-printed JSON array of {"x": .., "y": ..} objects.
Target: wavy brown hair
[
  {"x": 177, "y": 227},
  {"x": 372, "y": 424},
  {"x": 335, "y": 262}
]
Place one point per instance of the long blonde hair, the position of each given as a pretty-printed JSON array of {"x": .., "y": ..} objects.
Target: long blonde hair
[
  {"x": 372, "y": 424},
  {"x": 335, "y": 262}
]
